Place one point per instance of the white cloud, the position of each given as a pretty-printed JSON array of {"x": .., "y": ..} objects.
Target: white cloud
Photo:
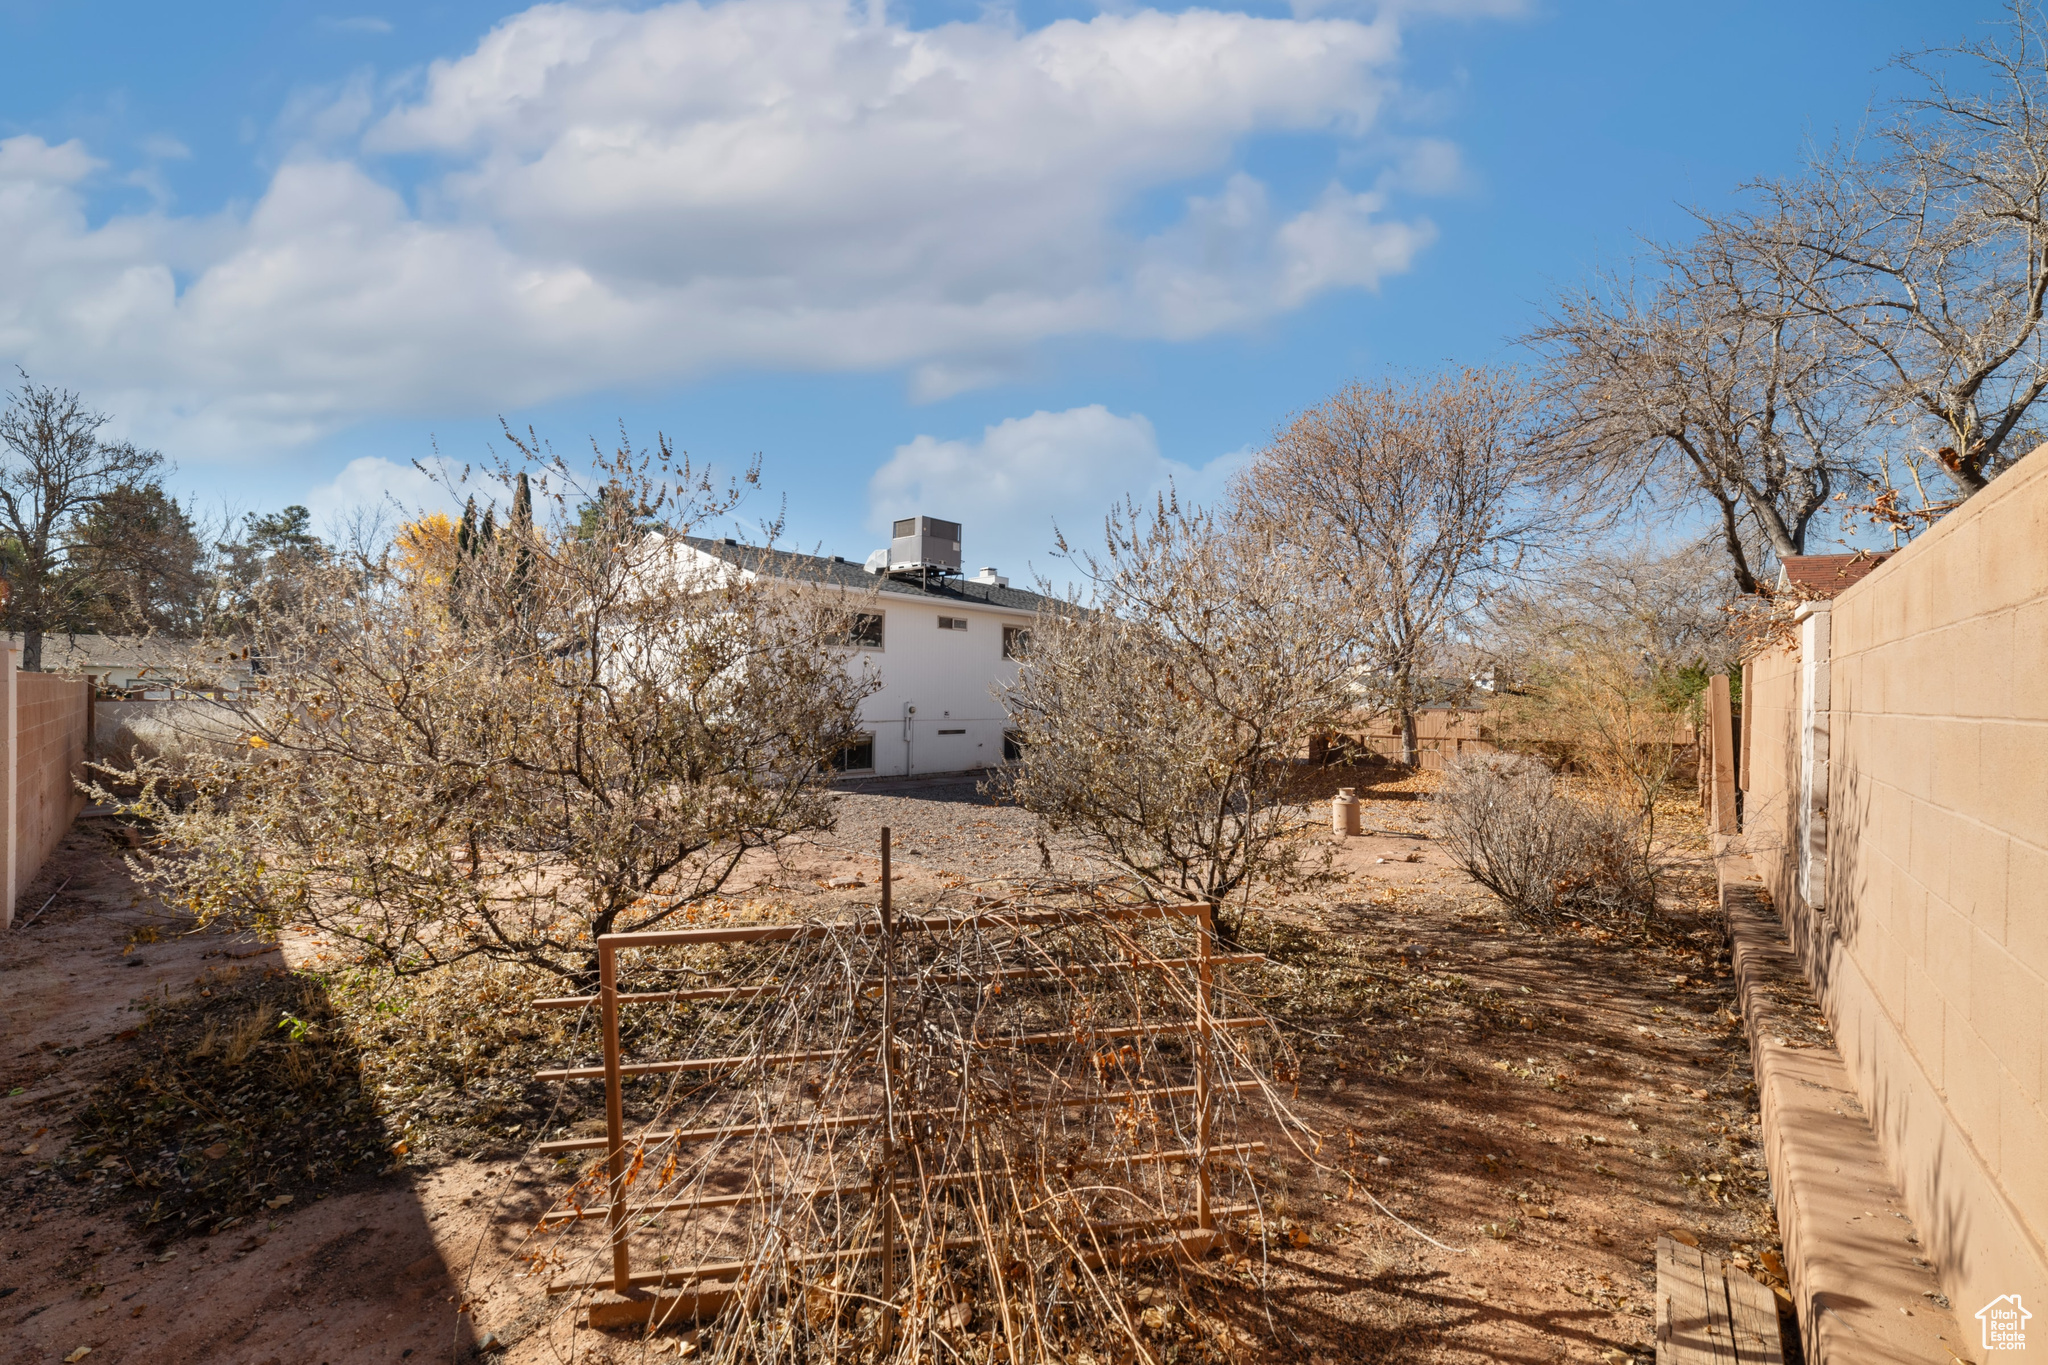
[
  {"x": 636, "y": 197},
  {"x": 371, "y": 486},
  {"x": 1010, "y": 487}
]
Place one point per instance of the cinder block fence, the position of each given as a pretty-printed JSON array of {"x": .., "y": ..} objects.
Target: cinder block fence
[
  {"x": 45, "y": 719},
  {"x": 1896, "y": 805}
]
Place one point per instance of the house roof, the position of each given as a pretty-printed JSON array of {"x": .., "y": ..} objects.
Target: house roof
[
  {"x": 848, "y": 574},
  {"x": 64, "y": 653},
  {"x": 1826, "y": 575}
]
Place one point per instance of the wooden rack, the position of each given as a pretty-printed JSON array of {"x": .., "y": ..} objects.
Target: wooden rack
[{"x": 629, "y": 1298}]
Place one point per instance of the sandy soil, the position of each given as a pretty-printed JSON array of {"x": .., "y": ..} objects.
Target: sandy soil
[{"x": 1532, "y": 1108}]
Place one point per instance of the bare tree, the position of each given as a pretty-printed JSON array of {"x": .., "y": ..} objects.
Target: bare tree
[
  {"x": 1710, "y": 385},
  {"x": 1403, "y": 498},
  {"x": 582, "y": 732},
  {"x": 1161, "y": 726},
  {"x": 56, "y": 469},
  {"x": 1929, "y": 248},
  {"x": 1600, "y": 669}
]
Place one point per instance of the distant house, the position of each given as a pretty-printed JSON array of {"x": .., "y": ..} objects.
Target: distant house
[
  {"x": 143, "y": 666},
  {"x": 940, "y": 644},
  {"x": 1825, "y": 575}
]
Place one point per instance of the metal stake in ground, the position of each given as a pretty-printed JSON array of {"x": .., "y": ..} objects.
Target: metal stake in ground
[
  {"x": 1205, "y": 994},
  {"x": 614, "y": 1114},
  {"x": 886, "y": 1193}
]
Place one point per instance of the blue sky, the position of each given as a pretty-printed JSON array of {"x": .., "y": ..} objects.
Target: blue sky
[{"x": 996, "y": 264}]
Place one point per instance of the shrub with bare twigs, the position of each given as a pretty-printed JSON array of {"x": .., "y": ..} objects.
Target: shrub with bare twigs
[
  {"x": 506, "y": 742},
  {"x": 1509, "y": 822},
  {"x": 1161, "y": 728}
]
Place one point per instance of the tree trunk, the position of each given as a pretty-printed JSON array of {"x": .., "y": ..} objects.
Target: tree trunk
[
  {"x": 1410, "y": 757},
  {"x": 31, "y": 651}
]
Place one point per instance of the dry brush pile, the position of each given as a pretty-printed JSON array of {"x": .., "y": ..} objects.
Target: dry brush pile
[{"x": 1033, "y": 1174}]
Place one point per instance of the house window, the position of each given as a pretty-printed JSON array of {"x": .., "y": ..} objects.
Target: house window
[
  {"x": 860, "y": 629},
  {"x": 1013, "y": 745},
  {"x": 1016, "y": 641},
  {"x": 952, "y": 623},
  {"x": 856, "y": 758}
]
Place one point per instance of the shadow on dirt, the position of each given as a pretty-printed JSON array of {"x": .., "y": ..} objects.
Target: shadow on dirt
[{"x": 244, "y": 1099}]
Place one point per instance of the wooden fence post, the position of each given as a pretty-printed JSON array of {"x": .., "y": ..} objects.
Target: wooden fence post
[
  {"x": 10, "y": 796},
  {"x": 1721, "y": 720}
]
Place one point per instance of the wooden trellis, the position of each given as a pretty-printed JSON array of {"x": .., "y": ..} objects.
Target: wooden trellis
[{"x": 627, "y": 1294}]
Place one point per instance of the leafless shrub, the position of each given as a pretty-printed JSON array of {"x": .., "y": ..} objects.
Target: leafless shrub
[
  {"x": 505, "y": 745},
  {"x": 1161, "y": 727},
  {"x": 1600, "y": 672},
  {"x": 1509, "y": 823}
]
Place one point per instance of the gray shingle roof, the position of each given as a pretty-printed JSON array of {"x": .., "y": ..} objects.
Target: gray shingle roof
[{"x": 855, "y": 577}]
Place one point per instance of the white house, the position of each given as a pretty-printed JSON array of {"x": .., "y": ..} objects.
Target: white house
[{"x": 939, "y": 643}]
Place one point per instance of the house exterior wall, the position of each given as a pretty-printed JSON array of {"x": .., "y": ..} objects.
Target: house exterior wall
[
  {"x": 949, "y": 676},
  {"x": 1899, "y": 760}
]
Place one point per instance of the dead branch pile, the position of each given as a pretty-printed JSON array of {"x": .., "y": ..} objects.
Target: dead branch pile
[{"x": 957, "y": 1140}]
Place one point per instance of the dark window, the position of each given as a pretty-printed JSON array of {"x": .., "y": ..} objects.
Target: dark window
[
  {"x": 1016, "y": 641},
  {"x": 1013, "y": 746},
  {"x": 861, "y": 629},
  {"x": 952, "y": 732},
  {"x": 952, "y": 623},
  {"x": 906, "y": 527},
  {"x": 855, "y": 758}
]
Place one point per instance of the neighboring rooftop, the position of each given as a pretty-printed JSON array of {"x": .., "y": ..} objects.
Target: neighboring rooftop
[
  {"x": 1826, "y": 575},
  {"x": 134, "y": 660},
  {"x": 848, "y": 574}
]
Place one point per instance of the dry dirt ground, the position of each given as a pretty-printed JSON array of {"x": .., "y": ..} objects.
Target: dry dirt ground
[{"x": 1510, "y": 1117}]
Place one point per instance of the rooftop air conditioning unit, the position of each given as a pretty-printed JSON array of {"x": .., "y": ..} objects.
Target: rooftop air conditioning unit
[{"x": 925, "y": 543}]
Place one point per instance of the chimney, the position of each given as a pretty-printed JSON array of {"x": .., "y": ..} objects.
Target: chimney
[{"x": 989, "y": 576}]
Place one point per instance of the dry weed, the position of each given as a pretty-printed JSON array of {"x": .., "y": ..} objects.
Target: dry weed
[{"x": 1042, "y": 1091}]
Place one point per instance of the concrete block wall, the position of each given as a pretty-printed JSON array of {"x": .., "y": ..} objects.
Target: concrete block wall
[
  {"x": 44, "y": 724},
  {"x": 1927, "y": 937}
]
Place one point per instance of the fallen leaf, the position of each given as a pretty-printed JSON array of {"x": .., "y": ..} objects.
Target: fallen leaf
[
  {"x": 278, "y": 1202},
  {"x": 1774, "y": 1263},
  {"x": 80, "y": 1354},
  {"x": 215, "y": 1152},
  {"x": 1682, "y": 1237}
]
